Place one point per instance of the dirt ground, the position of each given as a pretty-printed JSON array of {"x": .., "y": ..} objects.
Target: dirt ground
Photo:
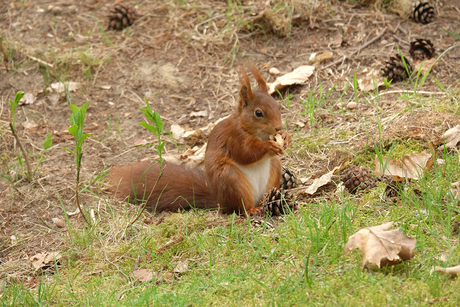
[{"x": 181, "y": 56}]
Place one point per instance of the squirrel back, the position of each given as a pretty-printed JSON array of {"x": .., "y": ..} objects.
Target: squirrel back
[{"x": 242, "y": 163}]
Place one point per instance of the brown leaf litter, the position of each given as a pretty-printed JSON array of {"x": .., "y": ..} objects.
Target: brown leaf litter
[{"x": 380, "y": 246}]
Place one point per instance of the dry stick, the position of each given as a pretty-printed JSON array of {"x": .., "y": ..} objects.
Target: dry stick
[
  {"x": 148, "y": 198},
  {"x": 357, "y": 50},
  {"x": 26, "y": 157},
  {"x": 116, "y": 266},
  {"x": 401, "y": 40}
]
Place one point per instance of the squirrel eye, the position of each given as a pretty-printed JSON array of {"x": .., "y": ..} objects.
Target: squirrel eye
[{"x": 259, "y": 113}]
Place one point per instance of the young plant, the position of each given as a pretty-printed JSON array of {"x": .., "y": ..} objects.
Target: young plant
[
  {"x": 156, "y": 129},
  {"x": 309, "y": 105},
  {"x": 14, "y": 105},
  {"x": 77, "y": 118}
]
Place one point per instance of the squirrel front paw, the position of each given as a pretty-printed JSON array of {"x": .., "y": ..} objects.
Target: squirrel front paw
[
  {"x": 287, "y": 138},
  {"x": 276, "y": 148}
]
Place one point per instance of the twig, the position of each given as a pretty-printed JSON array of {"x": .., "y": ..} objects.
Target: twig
[
  {"x": 40, "y": 61},
  {"x": 129, "y": 280},
  {"x": 357, "y": 50},
  {"x": 175, "y": 240},
  {"x": 401, "y": 40},
  {"x": 26, "y": 157}
]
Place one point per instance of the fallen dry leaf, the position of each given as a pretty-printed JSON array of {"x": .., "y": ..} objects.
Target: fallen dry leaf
[
  {"x": 326, "y": 178},
  {"x": 42, "y": 259},
  {"x": 425, "y": 66},
  {"x": 451, "y": 138},
  {"x": 194, "y": 156},
  {"x": 299, "y": 76},
  {"x": 30, "y": 125},
  {"x": 28, "y": 98},
  {"x": 337, "y": 41},
  {"x": 327, "y": 55},
  {"x": 59, "y": 87},
  {"x": 203, "y": 113},
  {"x": 181, "y": 267},
  {"x": 143, "y": 275},
  {"x": 321, "y": 181},
  {"x": 367, "y": 84},
  {"x": 451, "y": 270},
  {"x": 410, "y": 166},
  {"x": 180, "y": 134},
  {"x": 139, "y": 141},
  {"x": 381, "y": 247}
]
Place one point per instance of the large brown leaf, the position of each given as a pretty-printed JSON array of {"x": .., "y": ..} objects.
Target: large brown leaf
[
  {"x": 451, "y": 138},
  {"x": 380, "y": 246},
  {"x": 411, "y": 166}
]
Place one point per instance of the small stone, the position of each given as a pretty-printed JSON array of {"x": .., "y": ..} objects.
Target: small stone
[
  {"x": 352, "y": 105},
  {"x": 274, "y": 71},
  {"x": 57, "y": 10}
]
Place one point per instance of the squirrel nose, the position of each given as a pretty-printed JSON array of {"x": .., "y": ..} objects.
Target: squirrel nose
[{"x": 279, "y": 128}]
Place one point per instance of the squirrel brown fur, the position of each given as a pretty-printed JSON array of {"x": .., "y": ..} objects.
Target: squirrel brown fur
[{"x": 241, "y": 162}]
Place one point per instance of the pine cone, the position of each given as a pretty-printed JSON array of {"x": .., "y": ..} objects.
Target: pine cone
[
  {"x": 357, "y": 179},
  {"x": 288, "y": 180},
  {"x": 395, "y": 70},
  {"x": 276, "y": 203},
  {"x": 121, "y": 16},
  {"x": 422, "y": 12},
  {"x": 421, "y": 49}
]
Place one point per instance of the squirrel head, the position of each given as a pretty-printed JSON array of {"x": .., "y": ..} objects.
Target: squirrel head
[{"x": 258, "y": 112}]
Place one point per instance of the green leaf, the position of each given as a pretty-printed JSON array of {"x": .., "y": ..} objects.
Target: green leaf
[
  {"x": 161, "y": 146},
  {"x": 48, "y": 142},
  {"x": 147, "y": 114},
  {"x": 73, "y": 154},
  {"x": 149, "y": 127},
  {"x": 73, "y": 130},
  {"x": 157, "y": 121},
  {"x": 74, "y": 108},
  {"x": 82, "y": 139},
  {"x": 18, "y": 97},
  {"x": 83, "y": 112},
  {"x": 20, "y": 159}
]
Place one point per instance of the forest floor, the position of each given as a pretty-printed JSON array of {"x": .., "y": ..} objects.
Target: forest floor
[{"x": 182, "y": 56}]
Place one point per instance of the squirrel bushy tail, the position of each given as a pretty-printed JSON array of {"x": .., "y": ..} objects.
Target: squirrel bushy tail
[{"x": 137, "y": 180}]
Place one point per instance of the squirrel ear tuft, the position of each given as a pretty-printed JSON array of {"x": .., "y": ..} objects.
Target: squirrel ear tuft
[
  {"x": 246, "y": 94},
  {"x": 260, "y": 80}
]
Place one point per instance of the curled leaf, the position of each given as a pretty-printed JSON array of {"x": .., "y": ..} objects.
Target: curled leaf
[
  {"x": 380, "y": 246},
  {"x": 411, "y": 166}
]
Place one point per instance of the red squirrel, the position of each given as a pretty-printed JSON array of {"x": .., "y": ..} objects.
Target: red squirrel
[{"x": 241, "y": 162}]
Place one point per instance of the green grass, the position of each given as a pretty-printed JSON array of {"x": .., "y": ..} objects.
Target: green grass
[{"x": 300, "y": 261}]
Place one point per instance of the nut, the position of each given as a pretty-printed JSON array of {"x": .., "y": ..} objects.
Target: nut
[{"x": 278, "y": 138}]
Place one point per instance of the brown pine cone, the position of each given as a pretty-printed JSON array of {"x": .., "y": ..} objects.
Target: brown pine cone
[
  {"x": 357, "y": 179},
  {"x": 288, "y": 180},
  {"x": 276, "y": 203},
  {"x": 421, "y": 49},
  {"x": 395, "y": 70},
  {"x": 121, "y": 16},
  {"x": 422, "y": 12}
]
